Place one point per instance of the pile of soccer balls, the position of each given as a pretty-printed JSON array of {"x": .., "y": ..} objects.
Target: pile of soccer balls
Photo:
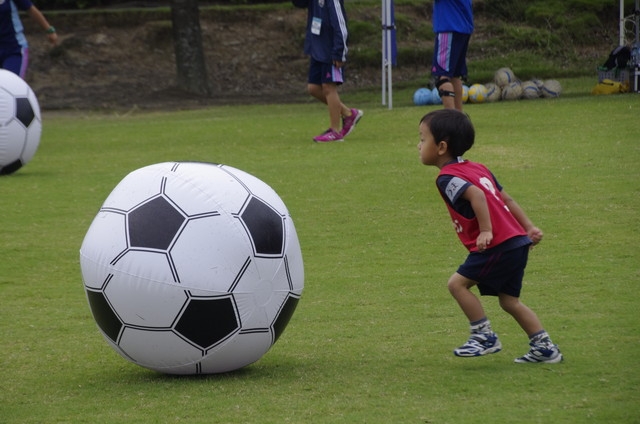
[{"x": 505, "y": 86}]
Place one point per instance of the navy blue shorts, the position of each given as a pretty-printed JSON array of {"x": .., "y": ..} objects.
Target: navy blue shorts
[
  {"x": 323, "y": 73},
  {"x": 15, "y": 60},
  {"x": 497, "y": 272},
  {"x": 449, "y": 54}
]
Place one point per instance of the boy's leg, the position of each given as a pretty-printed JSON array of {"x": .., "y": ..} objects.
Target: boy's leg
[
  {"x": 542, "y": 348},
  {"x": 525, "y": 317},
  {"x": 482, "y": 340},
  {"x": 459, "y": 287}
]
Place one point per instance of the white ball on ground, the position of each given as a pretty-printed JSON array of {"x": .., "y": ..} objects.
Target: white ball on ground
[
  {"x": 512, "y": 91},
  {"x": 503, "y": 76},
  {"x": 477, "y": 93},
  {"x": 493, "y": 92},
  {"x": 530, "y": 90},
  {"x": 551, "y": 88}
]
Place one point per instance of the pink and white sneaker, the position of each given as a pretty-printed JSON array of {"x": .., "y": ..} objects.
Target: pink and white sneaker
[
  {"x": 349, "y": 122},
  {"x": 328, "y": 136}
]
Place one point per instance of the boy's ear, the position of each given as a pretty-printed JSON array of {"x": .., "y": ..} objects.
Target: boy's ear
[{"x": 443, "y": 146}]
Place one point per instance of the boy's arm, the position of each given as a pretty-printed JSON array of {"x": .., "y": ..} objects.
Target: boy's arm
[
  {"x": 534, "y": 233},
  {"x": 478, "y": 201}
]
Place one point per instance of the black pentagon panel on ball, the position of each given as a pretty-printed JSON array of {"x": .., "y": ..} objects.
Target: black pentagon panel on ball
[
  {"x": 286, "y": 312},
  {"x": 154, "y": 224},
  {"x": 106, "y": 319},
  {"x": 11, "y": 168},
  {"x": 265, "y": 226},
  {"x": 207, "y": 322},
  {"x": 24, "y": 111}
]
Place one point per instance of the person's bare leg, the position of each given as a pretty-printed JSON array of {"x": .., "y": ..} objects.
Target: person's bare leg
[
  {"x": 459, "y": 287},
  {"x": 525, "y": 317},
  {"x": 336, "y": 108}
]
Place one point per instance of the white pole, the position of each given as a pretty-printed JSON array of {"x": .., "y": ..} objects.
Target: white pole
[
  {"x": 387, "y": 56},
  {"x": 383, "y": 20},
  {"x": 621, "y": 41}
]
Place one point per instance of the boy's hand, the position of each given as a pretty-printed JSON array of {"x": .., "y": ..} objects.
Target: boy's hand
[
  {"x": 535, "y": 234},
  {"x": 484, "y": 240}
]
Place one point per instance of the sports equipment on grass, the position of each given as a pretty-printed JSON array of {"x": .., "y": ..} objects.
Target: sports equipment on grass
[
  {"x": 541, "y": 352},
  {"x": 530, "y": 90},
  {"x": 551, "y": 88},
  {"x": 479, "y": 344},
  {"x": 512, "y": 91},
  {"x": 422, "y": 97},
  {"x": 503, "y": 76},
  {"x": 494, "y": 92},
  {"x": 477, "y": 93},
  {"x": 435, "y": 97},
  {"x": 20, "y": 122},
  {"x": 465, "y": 93},
  {"x": 192, "y": 268}
]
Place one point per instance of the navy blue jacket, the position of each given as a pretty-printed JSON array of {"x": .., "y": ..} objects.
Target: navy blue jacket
[{"x": 331, "y": 20}]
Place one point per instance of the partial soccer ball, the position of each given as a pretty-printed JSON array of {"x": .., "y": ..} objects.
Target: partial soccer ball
[
  {"x": 494, "y": 92},
  {"x": 192, "y": 268},
  {"x": 477, "y": 93},
  {"x": 465, "y": 93},
  {"x": 512, "y": 91},
  {"x": 20, "y": 122},
  {"x": 422, "y": 97},
  {"x": 551, "y": 88},
  {"x": 503, "y": 77},
  {"x": 435, "y": 97},
  {"x": 530, "y": 90}
]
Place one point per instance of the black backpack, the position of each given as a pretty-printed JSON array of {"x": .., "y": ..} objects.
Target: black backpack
[{"x": 618, "y": 58}]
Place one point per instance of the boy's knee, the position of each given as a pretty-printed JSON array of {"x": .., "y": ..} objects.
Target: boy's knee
[{"x": 455, "y": 283}]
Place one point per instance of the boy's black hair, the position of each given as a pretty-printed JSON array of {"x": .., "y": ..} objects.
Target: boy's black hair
[{"x": 452, "y": 126}]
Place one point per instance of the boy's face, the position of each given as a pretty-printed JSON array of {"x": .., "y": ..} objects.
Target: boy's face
[{"x": 427, "y": 146}]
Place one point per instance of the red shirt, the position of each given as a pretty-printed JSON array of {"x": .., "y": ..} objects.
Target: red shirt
[{"x": 453, "y": 179}]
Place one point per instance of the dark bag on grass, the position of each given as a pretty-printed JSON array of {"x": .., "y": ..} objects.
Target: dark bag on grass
[{"x": 618, "y": 58}]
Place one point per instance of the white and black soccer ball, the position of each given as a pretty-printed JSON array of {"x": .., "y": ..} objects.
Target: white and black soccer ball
[
  {"x": 192, "y": 268},
  {"x": 20, "y": 122}
]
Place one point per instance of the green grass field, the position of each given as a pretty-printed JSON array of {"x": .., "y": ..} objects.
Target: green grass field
[{"x": 372, "y": 338}]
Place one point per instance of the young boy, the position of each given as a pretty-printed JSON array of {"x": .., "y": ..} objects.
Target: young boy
[
  {"x": 326, "y": 45},
  {"x": 495, "y": 230}
]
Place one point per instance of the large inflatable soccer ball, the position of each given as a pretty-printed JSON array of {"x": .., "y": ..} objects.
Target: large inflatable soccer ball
[
  {"x": 422, "y": 97},
  {"x": 551, "y": 88},
  {"x": 530, "y": 90},
  {"x": 494, "y": 93},
  {"x": 477, "y": 93},
  {"x": 503, "y": 77},
  {"x": 512, "y": 91},
  {"x": 192, "y": 268},
  {"x": 20, "y": 122}
]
